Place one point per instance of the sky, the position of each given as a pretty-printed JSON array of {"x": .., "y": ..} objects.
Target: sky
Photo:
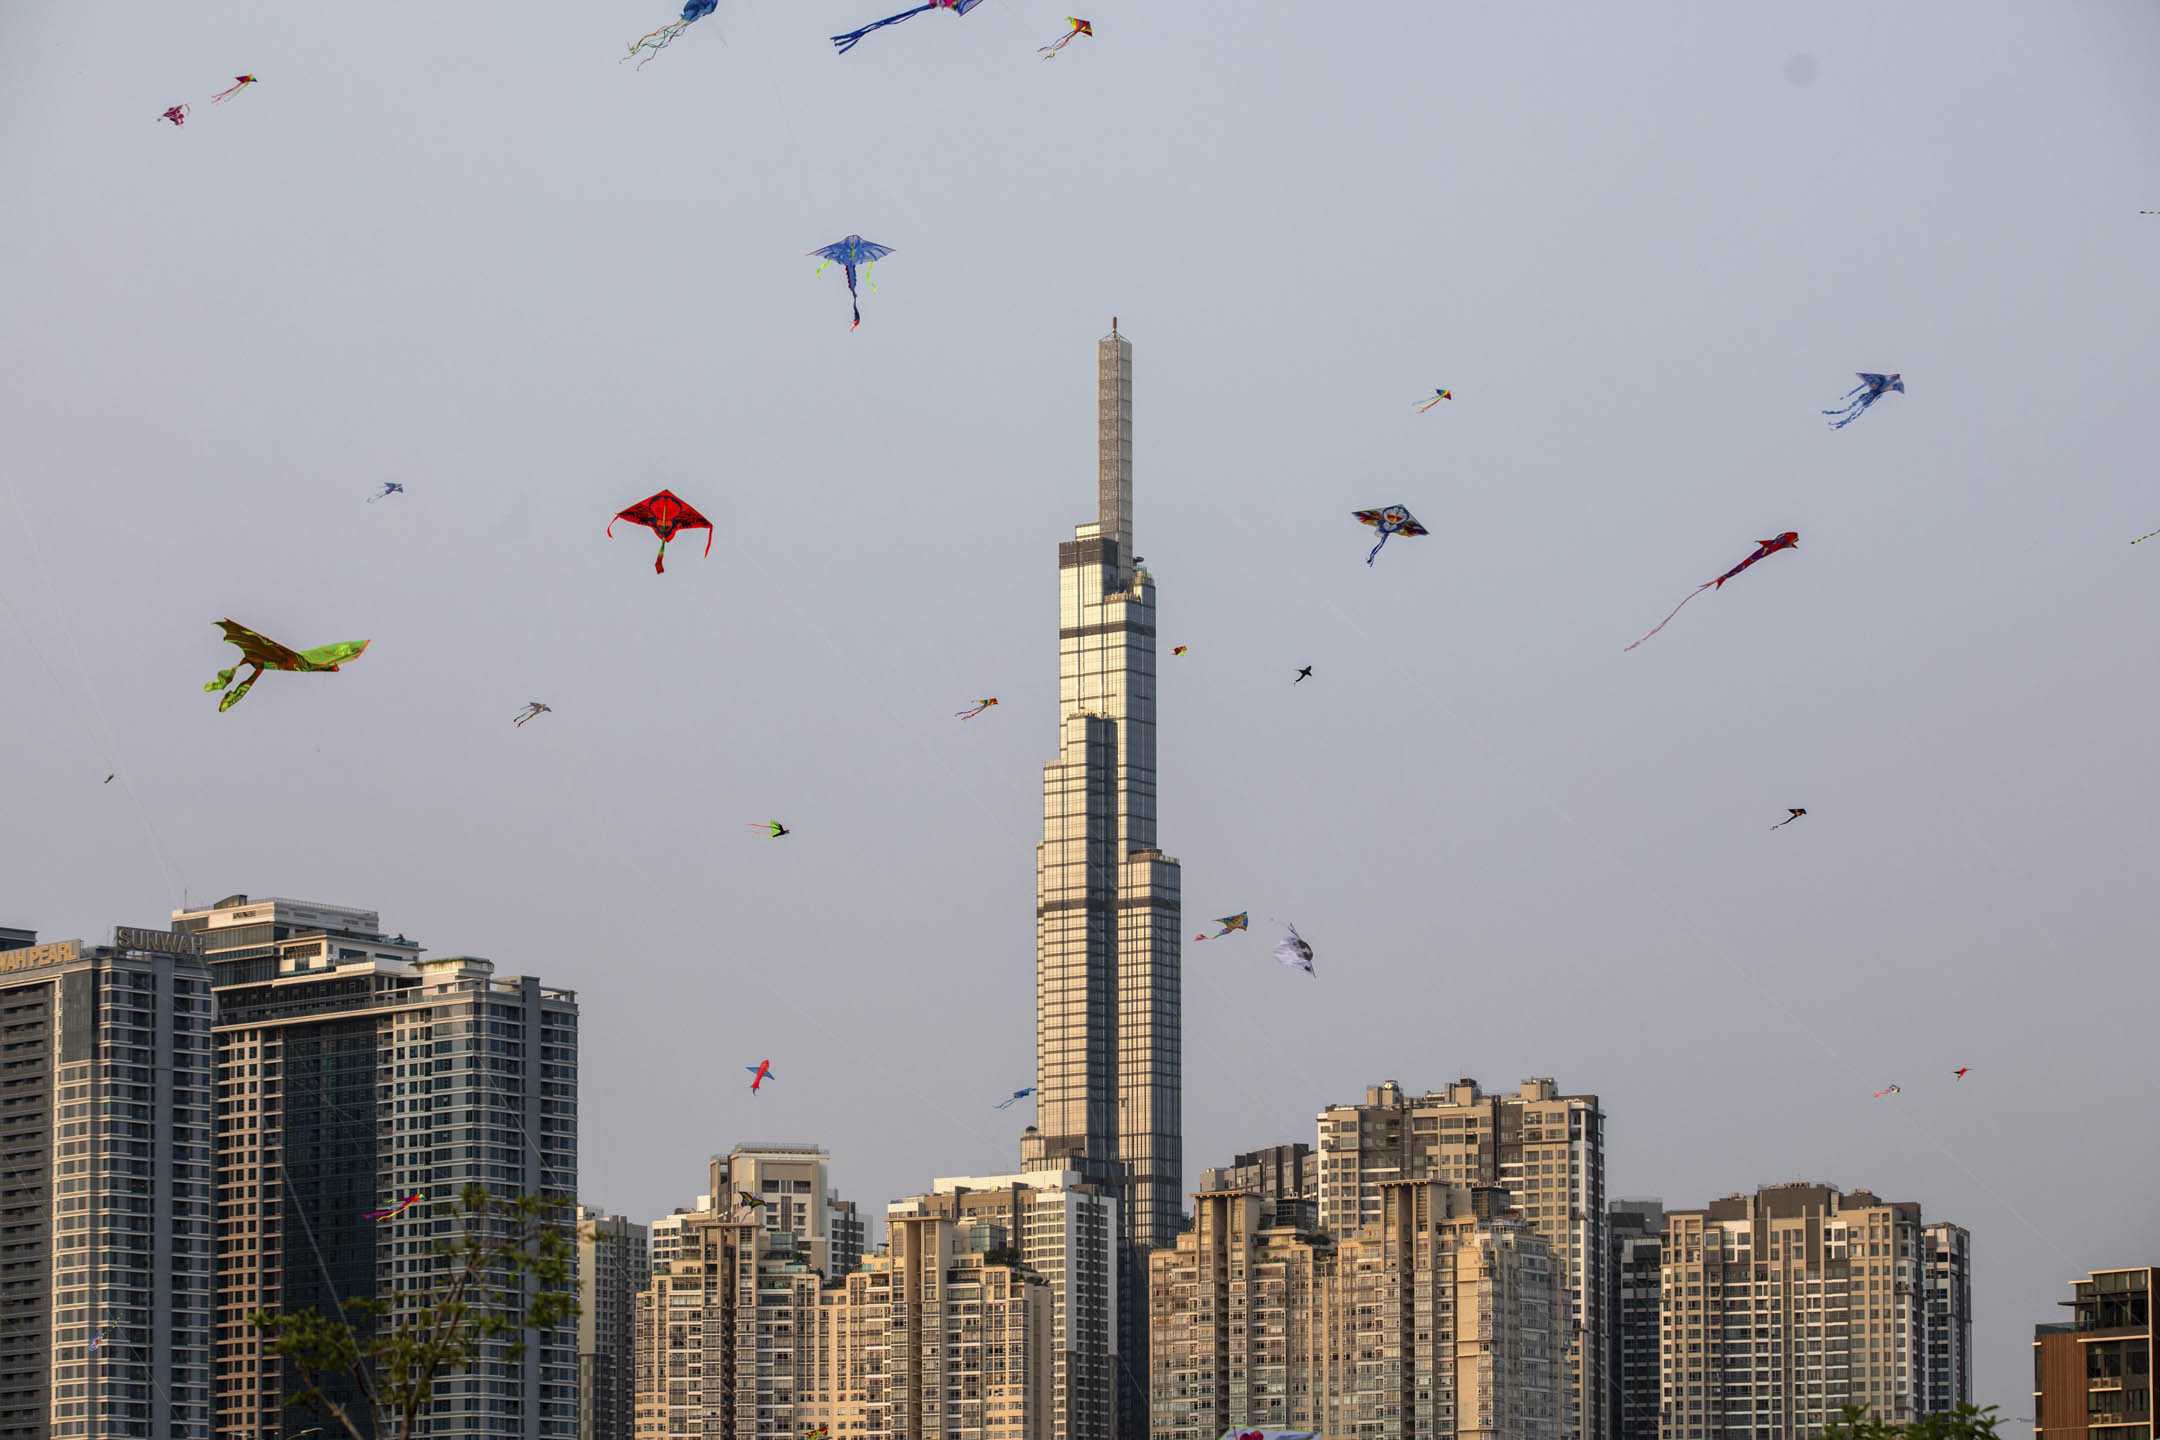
[{"x": 465, "y": 249}]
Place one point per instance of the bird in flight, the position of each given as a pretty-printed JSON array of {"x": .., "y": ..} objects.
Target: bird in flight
[{"x": 1303, "y": 675}]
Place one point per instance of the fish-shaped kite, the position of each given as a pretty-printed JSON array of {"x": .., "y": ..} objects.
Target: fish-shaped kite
[
  {"x": 849, "y": 41},
  {"x": 263, "y": 653},
  {"x": 849, "y": 253},
  {"x": 1389, "y": 520},
  {"x": 759, "y": 1074},
  {"x": 1789, "y": 540},
  {"x": 664, "y": 514},
  {"x": 1870, "y": 389}
]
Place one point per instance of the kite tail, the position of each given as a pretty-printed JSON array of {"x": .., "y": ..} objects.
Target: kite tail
[
  {"x": 849, "y": 41},
  {"x": 224, "y": 677},
  {"x": 657, "y": 41},
  {"x": 858, "y": 315},
  {"x": 1049, "y": 51},
  {"x": 239, "y": 693},
  {"x": 1675, "y": 610},
  {"x": 868, "y": 266},
  {"x": 1428, "y": 405},
  {"x": 659, "y": 564},
  {"x": 2146, "y": 536},
  {"x": 1375, "y": 550}
]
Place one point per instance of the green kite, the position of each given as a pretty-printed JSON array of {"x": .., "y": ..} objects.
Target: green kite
[{"x": 266, "y": 654}]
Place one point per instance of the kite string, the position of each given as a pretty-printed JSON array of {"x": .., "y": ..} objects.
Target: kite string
[{"x": 1676, "y": 610}]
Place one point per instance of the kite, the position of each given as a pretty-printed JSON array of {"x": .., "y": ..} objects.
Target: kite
[
  {"x": 1960, "y": 1071},
  {"x": 1293, "y": 951},
  {"x": 759, "y": 1074},
  {"x": 398, "y": 1209},
  {"x": 1789, "y": 540},
  {"x": 980, "y": 706},
  {"x": 109, "y": 778},
  {"x": 773, "y": 827},
  {"x": 242, "y": 82},
  {"x": 853, "y": 251},
  {"x": 1796, "y": 814},
  {"x": 266, "y": 654},
  {"x": 533, "y": 709},
  {"x": 1303, "y": 675},
  {"x": 1181, "y": 649},
  {"x": 658, "y": 40},
  {"x": 1437, "y": 397},
  {"x": 1893, "y": 1090},
  {"x": 664, "y": 514},
  {"x": 1870, "y": 389},
  {"x": 2146, "y": 536},
  {"x": 1393, "y": 520},
  {"x": 389, "y": 487},
  {"x": 749, "y": 1201},
  {"x": 849, "y": 41},
  {"x": 1016, "y": 1096},
  {"x": 1228, "y": 923},
  {"x": 177, "y": 114},
  {"x": 1079, "y": 27}
]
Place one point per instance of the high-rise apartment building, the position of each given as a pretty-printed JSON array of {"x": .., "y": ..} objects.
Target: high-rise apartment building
[
  {"x": 2093, "y": 1375},
  {"x": 1947, "y": 1375},
  {"x": 352, "y": 1073},
  {"x": 1635, "y": 1230},
  {"x": 1285, "y": 1177},
  {"x": 1546, "y": 1148},
  {"x": 1784, "y": 1306},
  {"x": 1439, "y": 1321},
  {"x": 105, "y": 1189},
  {"x": 13, "y": 939},
  {"x": 612, "y": 1267},
  {"x": 1109, "y": 1088},
  {"x": 791, "y": 1186}
]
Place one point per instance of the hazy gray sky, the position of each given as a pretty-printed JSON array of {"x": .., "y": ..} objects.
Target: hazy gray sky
[{"x": 463, "y": 248}]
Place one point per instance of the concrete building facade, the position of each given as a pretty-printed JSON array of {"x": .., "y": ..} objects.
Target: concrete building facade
[
  {"x": 791, "y": 1185},
  {"x": 613, "y": 1266},
  {"x": 1947, "y": 1365},
  {"x": 1634, "y": 1285},
  {"x": 1285, "y": 1177}
]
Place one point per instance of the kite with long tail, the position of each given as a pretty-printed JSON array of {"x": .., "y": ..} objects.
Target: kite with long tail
[
  {"x": 1079, "y": 27},
  {"x": 1796, "y": 814},
  {"x": 393, "y": 1211},
  {"x": 2146, "y": 536},
  {"x": 847, "y": 42},
  {"x": 1017, "y": 1095},
  {"x": 1787, "y": 541},
  {"x": 980, "y": 706},
  {"x": 692, "y": 12},
  {"x": 1892, "y": 1090},
  {"x": 1870, "y": 389},
  {"x": 1229, "y": 924},
  {"x": 849, "y": 253},
  {"x": 241, "y": 82},
  {"x": 664, "y": 514},
  {"x": 1437, "y": 397}
]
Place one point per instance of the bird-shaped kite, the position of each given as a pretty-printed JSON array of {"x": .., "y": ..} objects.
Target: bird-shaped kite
[
  {"x": 533, "y": 709},
  {"x": 241, "y": 83},
  {"x": 1870, "y": 389},
  {"x": 980, "y": 706},
  {"x": 759, "y": 1074},
  {"x": 849, "y": 41},
  {"x": 1293, "y": 951},
  {"x": 771, "y": 827},
  {"x": 1017, "y": 1095},
  {"x": 1437, "y": 397},
  {"x": 849, "y": 253},
  {"x": 658, "y": 40},
  {"x": 664, "y": 514},
  {"x": 1228, "y": 923},
  {"x": 389, "y": 487},
  {"x": 1893, "y": 1090},
  {"x": 1303, "y": 675},
  {"x": 398, "y": 1209},
  {"x": 749, "y": 1201},
  {"x": 1796, "y": 814},
  {"x": 1392, "y": 520},
  {"x": 1789, "y": 540},
  {"x": 263, "y": 653},
  {"x": 1079, "y": 27},
  {"x": 1960, "y": 1071},
  {"x": 177, "y": 114},
  {"x": 1179, "y": 649}
]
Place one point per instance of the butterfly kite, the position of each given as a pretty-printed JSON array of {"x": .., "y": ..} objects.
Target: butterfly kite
[
  {"x": 749, "y": 1201},
  {"x": 177, "y": 114},
  {"x": 658, "y": 40},
  {"x": 389, "y": 487},
  {"x": 398, "y": 1209},
  {"x": 1293, "y": 951},
  {"x": 1796, "y": 814},
  {"x": 532, "y": 710},
  {"x": 849, "y": 41},
  {"x": 759, "y": 1074},
  {"x": 1228, "y": 923},
  {"x": 1179, "y": 649},
  {"x": 1393, "y": 520},
  {"x": 1789, "y": 540},
  {"x": 264, "y": 653},
  {"x": 1960, "y": 1071},
  {"x": 771, "y": 827},
  {"x": 851, "y": 252},
  {"x": 664, "y": 514},
  {"x": 1079, "y": 27},
  {"x": 980, "y": 706},
  {"x": 1437, "y": 397},
  {"x": 1870, "y": 389},
  {"x": 241, "y": 83},
  {"x": 1017, "y": 1095},
  {"x": 1893, "y": 1090}
]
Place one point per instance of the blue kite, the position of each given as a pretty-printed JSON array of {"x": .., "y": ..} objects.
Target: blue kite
[
  {"x": 692, "y": 12},
  {"x": 389, "y": 487},
  {"x": 1017, "y": 1095},
  {"x": 850, "y": 253},
  {"x": 1870, "y": 389},
  {"x": 847, "y": 42},
  {"x": 1393, "y": 520}
]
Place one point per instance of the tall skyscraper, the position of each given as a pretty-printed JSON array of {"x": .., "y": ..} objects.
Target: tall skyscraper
[
  {"x": 1547, "y": 1148},
  {"x": 105, "y": 1229},
  {"x": 1633, "y": 1278},
  {"x": 612, "y": 1268},
  {"x": 1109, "y": 1097},
  {"x": 2093, "y": 1374},
  {"x": 352, "y": 1073},
  {"x": 1947, "y": 1251}
]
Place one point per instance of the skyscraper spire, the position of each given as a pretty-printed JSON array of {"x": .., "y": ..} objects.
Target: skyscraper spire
[{"x": 1113, "y": 448}]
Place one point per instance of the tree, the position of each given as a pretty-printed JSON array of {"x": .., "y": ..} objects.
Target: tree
[
  {"x": 1966, "y": 1422},
  {"x": 506, "y": 1270}
]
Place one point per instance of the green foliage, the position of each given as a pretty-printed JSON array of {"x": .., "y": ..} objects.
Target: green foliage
[
  {"x": 1966, "y": 1422},
  {"x": 505, "y": 1269}
]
